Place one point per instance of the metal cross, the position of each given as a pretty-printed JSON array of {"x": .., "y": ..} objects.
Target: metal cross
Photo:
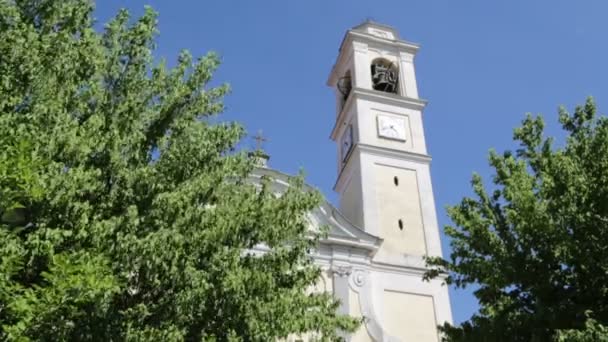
[{"x": 259, "y": 140}]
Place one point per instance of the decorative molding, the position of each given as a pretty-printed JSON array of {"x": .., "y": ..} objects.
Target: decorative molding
[
  {"x": 405, "y": 267},
  {"x": 368, "y": 38},
  {"x": 406, "y": 57},
  {"x": 370, "y": 24},
  {"x": 362, "y": 283},
  {"x": 380, "y": 33},
  {"x": 394, "y": 153},
  {"x": 388, "y": 98},
  {"x": 360, "y": 47},
  {"x": 341, "y": 270},
  {"x": 359, "y": 278}
]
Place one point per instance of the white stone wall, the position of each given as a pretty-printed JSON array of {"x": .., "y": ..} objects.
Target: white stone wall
[{"x": 398, "y": 207}]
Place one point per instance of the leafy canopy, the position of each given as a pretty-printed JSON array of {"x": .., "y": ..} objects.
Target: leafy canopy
[
  {"x": 125, "y": 213},
  {"x": 536, "y": 246}
]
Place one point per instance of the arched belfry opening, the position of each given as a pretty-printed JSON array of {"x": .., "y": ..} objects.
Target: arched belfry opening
[
  {"x": 385, "y": 75},
  {"x": 345, "y": 85}
]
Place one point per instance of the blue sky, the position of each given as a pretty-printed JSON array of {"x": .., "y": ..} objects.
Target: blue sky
[{"x": 482, "y": 65}]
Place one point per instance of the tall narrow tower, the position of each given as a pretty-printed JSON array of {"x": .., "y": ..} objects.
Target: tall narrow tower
[{"x": 384, "y": 181}]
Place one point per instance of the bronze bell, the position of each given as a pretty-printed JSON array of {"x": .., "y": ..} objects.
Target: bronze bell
[
  {"x": 345, "y": 86},
  {"x": 384, "y": 78}
]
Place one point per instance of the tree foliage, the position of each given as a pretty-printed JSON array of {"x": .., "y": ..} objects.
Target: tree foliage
[
  {"x": 127, "y": 214},
  {"x": 592, "y": 332},
  {"x": 535, "y": 246}
]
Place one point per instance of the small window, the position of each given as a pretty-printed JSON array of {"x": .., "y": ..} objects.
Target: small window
[
  {"x": 400, "y": 224},
  {"x": 396, "y": 181}
]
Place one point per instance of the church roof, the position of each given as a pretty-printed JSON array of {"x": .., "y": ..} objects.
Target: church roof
[{"x": 341, "y": 230}]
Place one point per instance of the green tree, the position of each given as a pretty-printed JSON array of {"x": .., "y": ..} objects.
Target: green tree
[
  {"x": 126, "y": 214},
  {"x": 592, "y": 332},
  {"x": 536, "y": 244}
]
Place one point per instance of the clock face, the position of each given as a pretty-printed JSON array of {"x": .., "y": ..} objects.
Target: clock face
[
  {"x": 346, "y": 142},
  {"x": 391, "y": 127}
]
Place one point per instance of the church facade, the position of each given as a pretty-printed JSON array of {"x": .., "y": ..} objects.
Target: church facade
[{"x": 386, "y": 223}]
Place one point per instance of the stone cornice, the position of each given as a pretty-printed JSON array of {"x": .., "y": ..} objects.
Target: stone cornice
[
  {"x": 393, "y": 153},
  {"x": 379, "y": 151},
  {"x": 400, "y": 45},
  {"x": 388, "y": 98},
  {"x": 354, "y": 243},
  {"x": 403, "y": 264},
  {"x": 373, "y": 24}
]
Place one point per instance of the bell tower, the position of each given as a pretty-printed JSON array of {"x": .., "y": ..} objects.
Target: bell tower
[
  {"x": 383, "y": 167},
  {"x": 383, "y": 172}
]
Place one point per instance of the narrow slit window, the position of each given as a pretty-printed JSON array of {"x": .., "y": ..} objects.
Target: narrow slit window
[
  {"x": 396, "y": 181},
  {"x": 400, "y": 224}
]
